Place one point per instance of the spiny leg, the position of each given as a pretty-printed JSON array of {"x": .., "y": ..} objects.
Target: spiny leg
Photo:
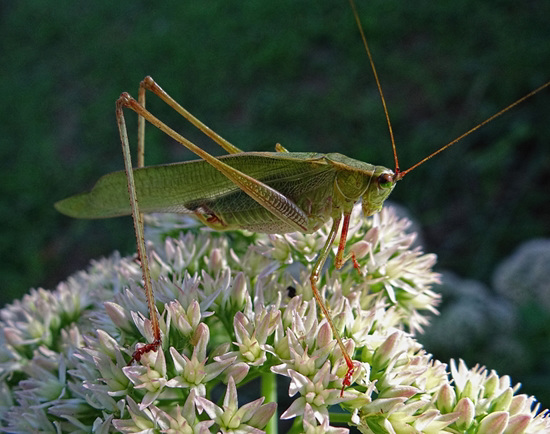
[
  {"x": 141, "y": 129},
  {"x": 341, "y": 259},
  {"x": 140, "y": 238},
  {"x": 314, "y": 279},
  {"x": 149, "y": 84}
]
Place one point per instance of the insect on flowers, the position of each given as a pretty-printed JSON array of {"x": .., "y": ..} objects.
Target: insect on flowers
[{"x": 270, "y": 192}]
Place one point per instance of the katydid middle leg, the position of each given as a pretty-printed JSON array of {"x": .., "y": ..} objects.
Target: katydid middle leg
[{"x": 315, "y": 277}]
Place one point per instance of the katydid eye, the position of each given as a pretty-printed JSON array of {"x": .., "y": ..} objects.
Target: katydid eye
[{"x": 385, "y": 180}]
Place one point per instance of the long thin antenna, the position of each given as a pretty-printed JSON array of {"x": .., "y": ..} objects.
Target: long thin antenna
[
  {"x": 366, "y": 45},
  {"x": 400, "y": 175}
]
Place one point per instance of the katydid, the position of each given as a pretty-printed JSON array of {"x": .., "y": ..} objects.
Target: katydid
[{"x": 269, "y": 192}]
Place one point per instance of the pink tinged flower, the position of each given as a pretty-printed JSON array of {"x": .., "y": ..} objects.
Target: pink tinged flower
[
  {"x": 237, "y": 371},
  {"x": 541, "y": 422},
  {"x": 518, "y": 424},
  {"x": 141, "y": 419},
  {"x": 183, "y": 320},
  {"x": 15, "y": 338},
  {"x": 281, "y": 344},
  {"x": 150, "y": 376},
  {"x": 296, "y": 306},
  {"x": 433, "y": 422},
  {"x": 324, "y": 336},
  {"x": 494, "y": 423},
  {"x": 387, "y": 351},
  {"x": 216, "y": 261},
  {"x": 194, "y": 372},
  {"x": 399, "y": 391},
  {"x": 384, "y": 406},
  {"x": 266, "y": 323},
  {"x": 214, "y": 287},
  {"x": 360, "y": 249},
  {"x": 396, "y": 416},
  {"x": 231, "y": 417},
  {"x": 307, "y": 245},
  {"x": 46, "y": 377},
  {"x": 106, "y": 345},
  {"x": 144, "y": 326},
  {"x": 254, "y": 262},
  {"x": 182, "y": 419},
  {"x": 249, "y": 347},
  {"x": 119, "y": 316},
  {"x": 491, "y": 385},
  {"x": 313, "y": 392},
  {"x": 279, "y": 249},
  {"x": 340, "y": 367},
  {"x": 252, "y": 337},
  {"x": 469, "y": 383},
  {"x": 302, "y": 362},
  {"x": 303, "y": 323},
  {"x": 239, "y": 290},
  {"x": 466, "y": 411},
  {"x": 523, "y": 404},
  {"x": 312, "y": 426},
  {"x": 446, "y": 399}
]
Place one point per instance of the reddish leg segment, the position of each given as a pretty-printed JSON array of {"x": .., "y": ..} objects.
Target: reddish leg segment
[{"x": 315, "y": 275}]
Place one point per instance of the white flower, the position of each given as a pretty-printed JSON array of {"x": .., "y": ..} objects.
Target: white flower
[
  {"x": 230, "y": 417},
  {"x": 315, "y": 392},
  {"x": 234, "y": 311}
]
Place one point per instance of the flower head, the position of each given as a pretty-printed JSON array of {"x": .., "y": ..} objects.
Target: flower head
[{"x": 234, "y": 308}]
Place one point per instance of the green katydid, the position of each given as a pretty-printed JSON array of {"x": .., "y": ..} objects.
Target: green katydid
[{"x": 270, "y": 192}]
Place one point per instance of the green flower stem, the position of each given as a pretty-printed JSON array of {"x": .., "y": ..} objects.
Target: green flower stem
[
  {"x": 269, "y": 392},
  {"x": 339, "y": 418},
  {"x": 297, "y": 426}
]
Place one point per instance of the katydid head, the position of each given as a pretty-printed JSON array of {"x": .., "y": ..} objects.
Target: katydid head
[{"x": 382, "y": 183}]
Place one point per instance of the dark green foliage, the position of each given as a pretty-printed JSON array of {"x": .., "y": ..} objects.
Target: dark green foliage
[{"x": 266, "y": 72}]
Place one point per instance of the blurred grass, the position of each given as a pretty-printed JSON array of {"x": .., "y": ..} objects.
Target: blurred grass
[{"x": 264, "y": 72}]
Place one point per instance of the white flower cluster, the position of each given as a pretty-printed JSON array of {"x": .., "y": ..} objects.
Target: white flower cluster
[{"x": 238, "y": 307}]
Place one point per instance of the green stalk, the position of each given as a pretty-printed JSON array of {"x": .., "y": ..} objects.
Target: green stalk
[{"x": 269, "y": 391}]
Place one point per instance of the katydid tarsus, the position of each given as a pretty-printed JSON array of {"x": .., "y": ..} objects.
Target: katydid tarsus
[{"x": 271, "y": 192}]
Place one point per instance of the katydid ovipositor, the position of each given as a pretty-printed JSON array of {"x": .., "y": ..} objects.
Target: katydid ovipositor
[{"x": 309, "y": 210}]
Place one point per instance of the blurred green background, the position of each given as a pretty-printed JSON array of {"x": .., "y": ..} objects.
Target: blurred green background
[{"x": 293, "y": 72}]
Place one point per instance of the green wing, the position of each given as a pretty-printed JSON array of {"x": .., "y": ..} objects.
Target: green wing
[{"x": 176, "y": 187}]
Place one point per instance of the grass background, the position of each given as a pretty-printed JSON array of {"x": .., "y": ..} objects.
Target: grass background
[{"x": 259, "y": 73}]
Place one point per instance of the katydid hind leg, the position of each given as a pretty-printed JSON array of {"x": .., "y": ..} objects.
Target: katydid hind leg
[
  {"x": 149, "y": 84},
  {"x": 141, "y": 130},
  {"x": 140, "y": 238}
]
